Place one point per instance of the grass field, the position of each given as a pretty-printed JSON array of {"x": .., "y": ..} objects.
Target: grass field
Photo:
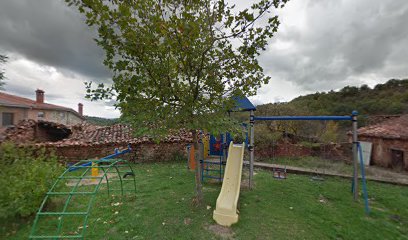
[{"x": 295, "y": 208}]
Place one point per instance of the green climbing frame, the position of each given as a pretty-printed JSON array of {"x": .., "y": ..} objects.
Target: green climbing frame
[{"x": 72, "y": 196}]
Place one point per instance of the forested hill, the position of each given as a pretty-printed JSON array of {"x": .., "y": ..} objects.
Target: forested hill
[
  {"x": 101, "y": 121},
  {"x": 388, "y": 98}
]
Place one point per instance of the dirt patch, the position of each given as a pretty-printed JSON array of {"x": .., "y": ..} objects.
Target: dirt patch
[
  {"x": 88, "y": 182},
  {"x": 221, "y": 231},
  {"x": 244, "y": 184},
  {"x": 187, "y": 221},
  {"x": 387, "y": 173}
]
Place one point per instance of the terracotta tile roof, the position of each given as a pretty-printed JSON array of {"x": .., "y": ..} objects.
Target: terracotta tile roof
[
  {"x": 16, "y": 101},
  {"x": 25, "y": 130},
  {"x": 396, "y": 128},
  {"x": 85, "y": 134}
]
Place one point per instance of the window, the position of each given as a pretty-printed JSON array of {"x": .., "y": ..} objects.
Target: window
[
  {"x": 62, "y": 115},
  {"x": 397, "y": 159},
  {"x": 41, "y": 114},
  {"x": 8, "y": 119}
]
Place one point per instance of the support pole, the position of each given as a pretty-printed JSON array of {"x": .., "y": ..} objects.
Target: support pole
[
  {"x": 251, "y": 150},
  {"x": 355, "y": 155}
]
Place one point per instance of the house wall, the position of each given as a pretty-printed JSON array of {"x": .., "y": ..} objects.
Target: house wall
[
  {"x": 381, "y": 152},
  {"x": 19, "y": 114},
  {"x": 73, "y": 119},
  {"x": 63, "y": 117}
]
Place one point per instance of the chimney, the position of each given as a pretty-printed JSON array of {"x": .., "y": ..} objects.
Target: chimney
[
  {"x": 80, "y": 109},
  {"x": 39, "y": 96}
]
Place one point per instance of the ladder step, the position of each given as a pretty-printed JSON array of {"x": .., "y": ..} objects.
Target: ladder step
[
  {"x": 213, "y": 177},
  {"x": 56, "y": 237},
  {"x": 79, "y": 177},
  {"x": 118, "y": 189},
  {"x": 71, "y": 193},
  {"x": 61, "y": 213},
  {"x": 118, "y": 180}
]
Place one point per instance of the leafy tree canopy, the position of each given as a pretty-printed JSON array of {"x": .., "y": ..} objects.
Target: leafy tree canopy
[
  {"x": 176, "y": 63},
  {"x": 387, "y": 98},
  {"x": 3, "y": 60}
]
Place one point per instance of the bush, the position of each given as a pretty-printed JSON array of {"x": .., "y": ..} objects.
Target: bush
[
  {"x": 264, "y": 136},
  {"x": 25, "y": 177}
]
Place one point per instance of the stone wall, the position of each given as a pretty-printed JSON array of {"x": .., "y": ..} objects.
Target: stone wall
[{"x": 381, "y": 153}]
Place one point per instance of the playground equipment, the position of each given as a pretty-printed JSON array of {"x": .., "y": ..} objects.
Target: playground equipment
[
  {"x": 225, "y": 212},
  {"x": 213, "y": 163},
  {"x": 78, "y": 187},
  {"x": 352, "y": 118},
  {"x": 363, "y": 179},
  {"x": 279, "y": 173},
  {"x": 214, "y": 157}
]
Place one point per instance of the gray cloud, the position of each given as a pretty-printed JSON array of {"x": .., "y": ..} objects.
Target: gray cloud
[
  {"x": 51, "y": 33},
  {"x": 321, "y": 45},
  {"x": 336, "y": 43}
]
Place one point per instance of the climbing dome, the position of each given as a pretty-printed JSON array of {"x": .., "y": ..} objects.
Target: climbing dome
[{"x": 65, "y": 210}]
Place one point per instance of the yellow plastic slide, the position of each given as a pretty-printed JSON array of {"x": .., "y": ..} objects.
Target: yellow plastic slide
[{"x": 225, "y": 212}]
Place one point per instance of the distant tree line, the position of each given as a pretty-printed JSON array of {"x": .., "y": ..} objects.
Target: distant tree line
[
  {"x": 3, "y": 60},
  {"x": 384, "y": 99},
  {"x": 102, "y": 121},
  {"x": 388, "y": 98}
]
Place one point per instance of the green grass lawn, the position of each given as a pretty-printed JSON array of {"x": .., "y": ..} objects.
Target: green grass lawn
[{"x": 295, "y": 208}]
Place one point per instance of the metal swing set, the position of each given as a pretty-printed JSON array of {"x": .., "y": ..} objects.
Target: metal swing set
[{"x": 356, "y": 150}]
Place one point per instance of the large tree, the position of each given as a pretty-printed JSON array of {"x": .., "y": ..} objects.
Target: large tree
[
  {"x": 3, "y": 59},
  {"x": 177, "y": 63}
]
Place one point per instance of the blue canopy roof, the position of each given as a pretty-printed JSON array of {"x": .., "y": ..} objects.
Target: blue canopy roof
[{"x": 243, "y": 104}]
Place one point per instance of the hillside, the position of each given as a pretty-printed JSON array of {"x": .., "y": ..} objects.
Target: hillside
[
  {"x": 388, "y": 98},
  {"x": 101, "y": 121}
]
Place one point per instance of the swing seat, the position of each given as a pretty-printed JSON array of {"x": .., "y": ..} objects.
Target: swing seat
[{"x": 279, "y": 173}]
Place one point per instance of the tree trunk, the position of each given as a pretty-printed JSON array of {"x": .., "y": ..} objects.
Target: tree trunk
[{"x": 197, "y": 158}]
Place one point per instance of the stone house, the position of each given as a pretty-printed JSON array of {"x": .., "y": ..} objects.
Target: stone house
[
  {"x": 390, "y": 142},
  {"x": 13, "y": 109}
]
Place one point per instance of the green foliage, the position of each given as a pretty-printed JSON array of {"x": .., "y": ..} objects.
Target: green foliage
[
  {"x": 102, "y": 121},
  {"x": 3, "y": 60},
  {"x": 388, "y": 98},
  {"x": 174, "y": 62},
  {"x": 282, "y": 109},
  {"x": 264, "y": 136},
  {"x": 25, "y": 176},
  {"x": 330, "y": 133}
]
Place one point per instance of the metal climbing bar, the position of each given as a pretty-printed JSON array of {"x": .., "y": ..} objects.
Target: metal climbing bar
[
  {"x": 57, "y": 237},
  {"x": 88, "y": 163},
  {"x": 62, "y": 213},
  {"x": 82, "y": 186}
]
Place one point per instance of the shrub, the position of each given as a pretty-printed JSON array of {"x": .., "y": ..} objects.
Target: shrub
[
  {"x": 265, "y": 137},
  {"x": 25, "y": 177}
]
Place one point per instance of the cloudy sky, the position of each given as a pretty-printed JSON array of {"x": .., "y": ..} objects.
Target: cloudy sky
[{"x": 321, "y": 45}]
